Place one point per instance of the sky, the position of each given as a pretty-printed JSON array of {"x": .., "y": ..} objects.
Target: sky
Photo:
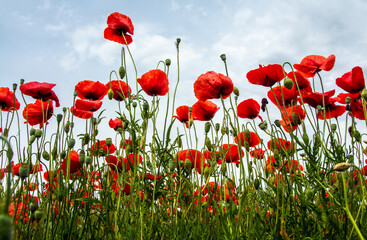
[{"x": 62, "y": 41}]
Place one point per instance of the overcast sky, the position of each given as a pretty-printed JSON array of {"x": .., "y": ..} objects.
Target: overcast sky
[{"x": 62, "y": 41}]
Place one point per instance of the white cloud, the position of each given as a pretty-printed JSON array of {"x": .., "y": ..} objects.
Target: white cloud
[{"x": 28, "y": 20}]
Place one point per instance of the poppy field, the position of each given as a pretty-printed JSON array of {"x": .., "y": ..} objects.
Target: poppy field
[{"x": 289, "y": 165}]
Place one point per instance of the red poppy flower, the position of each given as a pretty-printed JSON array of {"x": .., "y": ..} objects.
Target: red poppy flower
[
  {"x": 154, "y": 82},
  {"x": 212, "y": 85},
  {"x": 120, "y": 89},
  {"x": 74, "y": 163},
  {"x": 257, "y": 153},
  {"x": 91, "y": 90},
  {"x": 253, "y": 141},
  {"x": 152, "y": 177},
  {"x": 249, "y": 109},
  {"x": 183, "y": 114},
  {"x": 38, "y": 112},
  {"x": 101, "y": 147},
  {"x": 133, "y": 159},
  {"x": 292, "y": 117},
  {"x": 35, "y": 168},
  {"x": 282, "y": 96},
  {"x": 117, "y": 163},
  {"x": 87, "y": 105},
  {"x": 357, "y": 109},
  {"x": 298, "y": 78},
  {"x": 8, "y": 101},
  {"x": 315, "y": 99},
  {"x": 196, "y": 158},
  {"x": 2, "y": 173},
  {"x": 313, "y": 64},
  {"x": 353, "y": 96},
  {"x": 119, "y": 28},
  {"x": 81, "y": 113},
  {"x": 230, "y": 152},
  {"x": 281, "y": 145},
  {"x": 42, "y": 91},
  {"x": 331, "y": 111},
  {"x": 292, "y": 166},
  {"x": 353, "y": 81},
  {"x": 204, "y": 110},
  {"x": 266, "y": 76},
  {"x": 115, "y": 123}
]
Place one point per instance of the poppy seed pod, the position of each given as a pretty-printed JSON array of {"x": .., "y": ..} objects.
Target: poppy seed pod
[
  {"x": 168, "y": 62},
  {"x": 122, "y": 72},
  {"x": 333, "y": 127},
  {"x": 277, "y": 123},
  {"x": 67, "y": 127},
  {"x": 223, "y": 57},
  {"x": 23, "y": 172},
  {"x": 108, "y": 142},
  {"x": 71, "y": 143},
  {"x": 88, "y": 159}
]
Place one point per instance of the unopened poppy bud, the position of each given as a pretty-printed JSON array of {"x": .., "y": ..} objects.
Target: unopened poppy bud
[
  {"x": 38, "y": 214},
  {"x": 71, "y": 143},
  {"x": 191, "y": 122},
  {"x": 135, "y": 104},
  {"x": 348, "y": 100},
  {"x": 305, "y": 138},
  {"x": 247, "y": 135},
  {"x": 168, "y": 62},
  {"x": 187, "y": 165},
  {"x": 21, "y": 81},
  {"x": 81, "y": 158},
  {"x": 146, "y": 106},
  {"x": 5, "y": 227},
  {"x": 33, "y": 207},
  {"x": 75, "y": 93},
  {"x": 38, "y": 133},
  {"x": 15, "y": 86},
  {"x": 223, "y": 57},
  {"x": 88, "y": 159},
  {"x": 223, "y": 169},
  {"x": 319, "y": 108},
  {"x": 263, "y": 125},
  {"x": 333, "y": 127},
  {"x": 108, "y": 142},
  {"x": 32, "y": 131},
  {"x": 95, "y": 133},
  {"x": 142, "y": 142},
  {"x": 125, "y": 125},
  {"x": 217, "y": 127},
  {"x": 277, "y": 123},
  {"x": 110, "y": 94},
  {"x": 5, "y": 132},
  {"x": 172, "y": 166},
  {"x": 59, "y": 117},
  {"x": 207, "y": 127},
  {"x": 63, "y": 154},
  {"x": 208, "y": 144},
  {"x": 178, "y": 40},
  {"x": 207, "y": 172},
  {"x": 46, "y": 155},
  {"x": 224, "y": 130},
  {"x": 32, "y": 139},
  {"x": 288, "y": 83},
  {"x": 364, "y": 94},
  {"x": 236, "y": 91},
  {"x": 67, "y": 126},
  {"x": 341, "y": 167},
  {"x": 23, "y": 172},
  {"x": 122, "y": 72},
  {"x": 357, "y": 135},
  {"x": 86, "y": 139}
]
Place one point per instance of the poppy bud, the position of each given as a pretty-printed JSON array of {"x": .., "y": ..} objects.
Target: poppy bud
[
  {"x": 95, "y": 133},
  {"x": 82, "y": 156},
  {"x": 6, "y": 132},
  {"x": 94, "y": 120},
  {"x": 142, "y": 142},
  {"x": 110, "y": 94},
  {"x": 217, "y": 127},
  {"x": 305, "y": 138},
  {"x": 21, "y": 81},
  {"x": 333, "y": 127},
  {"x": 23, "y": 172},
  {"x": 67, "y": 127},
  {"x": 264, "y": 101},
  {"x": 125, "y": 125},
  {"x": 208, "y": 144},
  {"x": 32, "y": 131},
  {"x": 288, "y": 83},
  {"x": 171, "y": 166},
  {"x": 122, "y": 72},
  {"x": 33, "y": 207},
  {"x": 191, "y": 122},
  {"x": 75, "y": 93},
  {"x": 31, "y": 139},
  {"x": 263, "y": 125},
  {"x": 38, "y": 133},
  {"x": 63, "y": 154},
  {"x": 46, "y": 155},
  {"x": 59, "y": 117},
  {"x": 341, "y": 167},
  {"x": 38, "y": 214},
  {"x": 348, "y": 100},
  {"x": 236, "y": 91},
  {"x": 224, "y": 130},
  {"x": 357, "y": 135},
  {"x": 187, "y": 165},
  {"x": 178, "y": 40},
  {"x": 179, "y": 142},
  {"x": 247, "y": 135},
  {"x": 319, "y": 108},
  {"x": 168, "y": 62},
  {"x": 364, "y": 94},
  {"x": 207, "y": 127},
  {"x": 277, "y": 123},
  {"x": 135, "y": 104},
  {"x": 146, "y": 106},
  {"x": 223, "y": 169},
  {"x": 86, "y": 139},
  {"x": 207, "y": 172},
  {"x": 223, "y": 57},
  {"x": 14, "y": 86},
  {"x": 108, "y": 142},
  {"x": 5, "y": 227},
  {"x": 71, "y": 143},
  {"x": 295, "y": 118},
  {"x": 88, "y": 159}
]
